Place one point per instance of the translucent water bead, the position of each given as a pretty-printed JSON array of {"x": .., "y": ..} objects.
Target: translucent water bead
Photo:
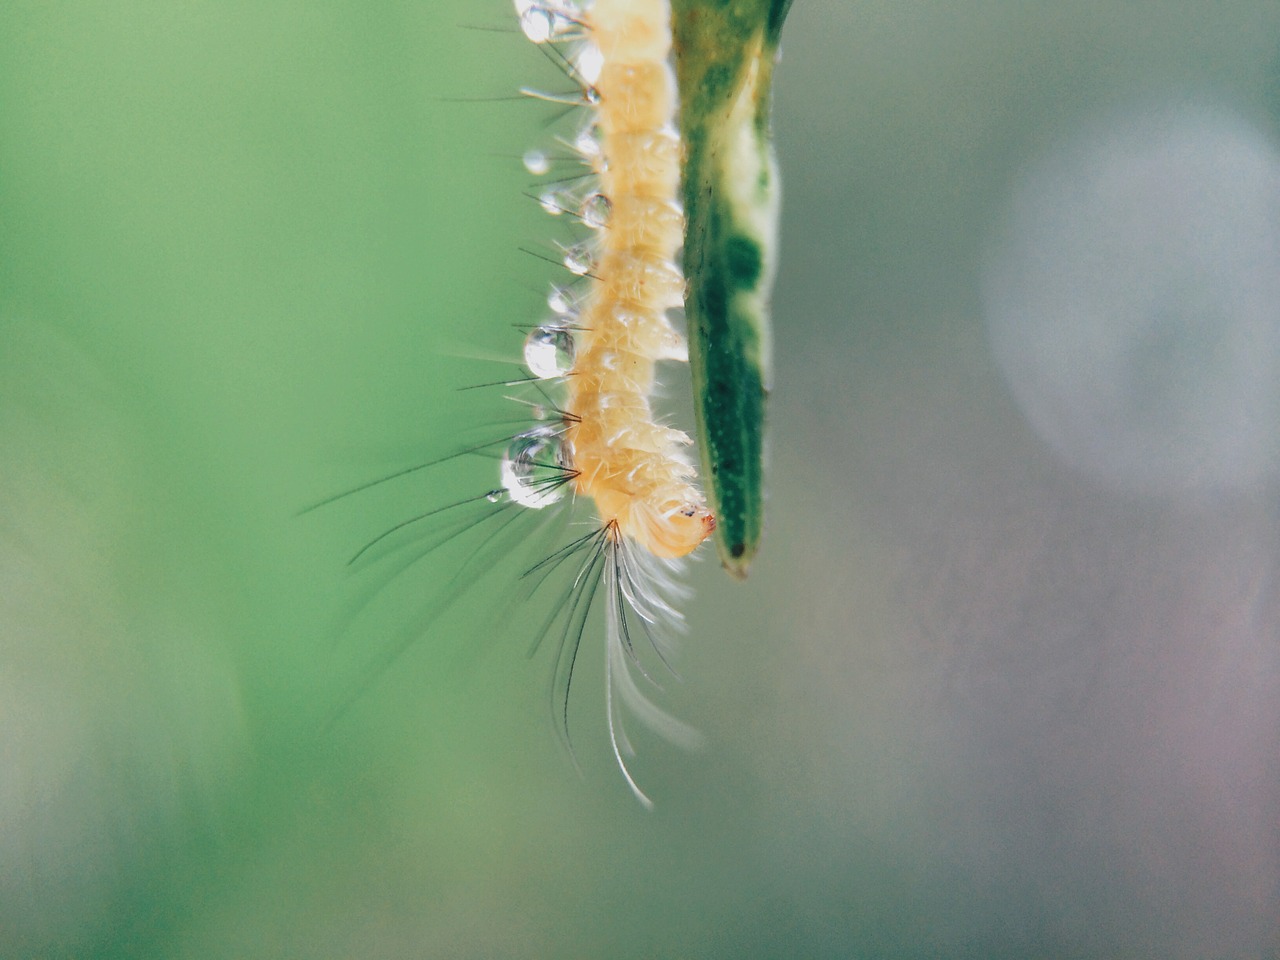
[
  {"x": 535, "y": 468},
  {"x": 578, "y": 259},
  {"x": 551, "y": 202},
  {"x": 548, "y": 351},
  {"x": 536, "y": 162},
  {"x": 588, "y": 62},
  {"x": 562, "y": 301},
  {"x": 548, "y": 21},
  {"x": 595, "y": 211},
  {"x": 587, "y": 144}
]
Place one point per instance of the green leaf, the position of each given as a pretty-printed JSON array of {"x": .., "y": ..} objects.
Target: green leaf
[{"x": 725, "y": 53}]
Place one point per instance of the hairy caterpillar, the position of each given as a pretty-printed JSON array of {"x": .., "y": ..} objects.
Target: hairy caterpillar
[
  {"x": 610, "y": 448},
  {"x": 594, "y": 442}
]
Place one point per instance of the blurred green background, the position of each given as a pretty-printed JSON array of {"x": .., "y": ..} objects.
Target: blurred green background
[{"x": 980, "y": 698}]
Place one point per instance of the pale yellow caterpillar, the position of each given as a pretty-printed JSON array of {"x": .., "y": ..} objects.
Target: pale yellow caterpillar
[
  {"x": 625, "y": 461},
  {"x": 612, "y": 450},
  {"x": 594, "y": 444}
]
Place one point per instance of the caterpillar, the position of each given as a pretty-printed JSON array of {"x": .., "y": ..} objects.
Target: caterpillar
[
  {"x": 593, "y": 441},
  {"x": 621, "y": 458},
  {"x": 611, "y": 450}
]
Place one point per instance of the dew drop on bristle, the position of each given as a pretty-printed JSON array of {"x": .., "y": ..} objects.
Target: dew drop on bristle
[
  {"x": 538, "y": 23},
  {"x": 536, "y": 162},
  {"x": 535, "y": 468},
  {"x": 550, "y": 202},
  {"x": 587, "y": 144},
  {"x": 578, "y": 260},
  {"x": 561, "y": 301},
  {"x": 589, "y": 63},
  {"x": 595, "y": 211},
  {"x": 549, "y": 21},
  {"x": 548, "y": 351}
]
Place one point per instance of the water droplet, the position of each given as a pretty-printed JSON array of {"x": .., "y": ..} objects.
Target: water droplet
[
  {"x": 536, "y": 162},
  {"x": 538, "y": 23},
  {"x": 535, "y": 469},
  {"x": 588, "y": 63},
  {"x": 587, "y": 144},
  {"x": 548, "y": 351},
  {"x": 561, "y": 301},
  {"x": 493, "y": 496},
  {"x": 550, "y": 202},
  {"x": 595, "y": 211},
  {"x": 547, "y": 21},
  {"x": 578, "y": 259},
  {"x": 591, "y": 96}
]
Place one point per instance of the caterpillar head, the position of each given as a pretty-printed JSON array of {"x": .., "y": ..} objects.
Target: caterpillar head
[{"x": 674, "y": 531}]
